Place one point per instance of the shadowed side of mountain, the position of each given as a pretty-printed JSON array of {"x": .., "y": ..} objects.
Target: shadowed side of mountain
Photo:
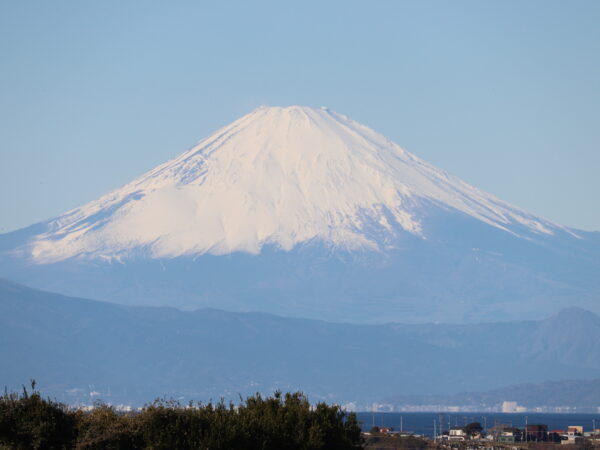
[{"x": 483, "y": 274}]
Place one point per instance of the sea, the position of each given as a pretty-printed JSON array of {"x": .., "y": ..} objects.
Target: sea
[{"x": 426, "y": 423}]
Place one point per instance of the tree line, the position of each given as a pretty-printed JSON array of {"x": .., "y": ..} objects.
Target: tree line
[{"x": 281, "y": 421}]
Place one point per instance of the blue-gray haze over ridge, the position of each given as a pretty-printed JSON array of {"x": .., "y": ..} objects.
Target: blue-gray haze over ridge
[{"x": 81, "y": 350}]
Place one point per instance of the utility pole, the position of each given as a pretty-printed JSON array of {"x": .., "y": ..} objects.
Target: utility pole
[
  {"x": 526, "y": 434},
  {"x": 401, "y": 425},
  {"x": 434, "y": 430}
]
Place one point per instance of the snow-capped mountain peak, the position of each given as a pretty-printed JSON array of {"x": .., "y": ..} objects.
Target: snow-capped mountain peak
[{"x": 278, "y": 176}]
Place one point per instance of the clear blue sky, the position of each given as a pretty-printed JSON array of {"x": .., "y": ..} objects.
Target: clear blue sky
[{"x": 505, "y": 94}]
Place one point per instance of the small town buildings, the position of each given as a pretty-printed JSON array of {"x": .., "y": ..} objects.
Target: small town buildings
[
  {"x": 505, "y": 433},
  {"x": 536, "y": 433},
  {"x": 572, "y": 439},
  {"x": 457, "y": 434}
]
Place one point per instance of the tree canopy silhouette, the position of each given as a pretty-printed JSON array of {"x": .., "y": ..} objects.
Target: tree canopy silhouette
[{"x": 281, "y": 421}]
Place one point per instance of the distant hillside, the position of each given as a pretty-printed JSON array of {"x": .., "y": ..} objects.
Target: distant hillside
[
  {"x": 581, "y": 393},
  {"x": 79, "y": 350},
  {"x": 584, "y": 395}
]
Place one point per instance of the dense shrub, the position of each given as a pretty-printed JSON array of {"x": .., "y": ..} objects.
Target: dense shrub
[
  {"x": 167, "y": 425},
  {"x": 105, "y": 428},
  {"x": 277, "y": 422},
  {"x": 27, "y": 421}
]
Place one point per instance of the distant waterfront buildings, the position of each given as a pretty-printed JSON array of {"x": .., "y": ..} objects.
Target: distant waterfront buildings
[
  {"x": 512, "y": 407},
  {"x": 504, "y": 407}
]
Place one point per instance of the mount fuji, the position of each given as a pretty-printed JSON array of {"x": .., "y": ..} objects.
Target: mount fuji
[{"x": 304, "y": 212}]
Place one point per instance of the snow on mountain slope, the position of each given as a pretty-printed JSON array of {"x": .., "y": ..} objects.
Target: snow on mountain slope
[{"x": 280, "y": 176}]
